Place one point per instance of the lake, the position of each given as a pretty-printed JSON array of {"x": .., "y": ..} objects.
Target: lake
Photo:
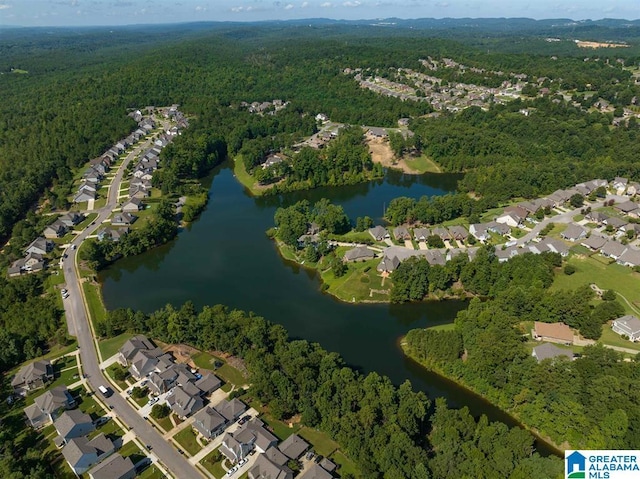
[{"x": 225, "y": 257}]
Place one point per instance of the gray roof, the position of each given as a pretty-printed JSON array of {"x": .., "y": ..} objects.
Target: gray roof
[
  {"x": 458, "y": 232},
  {"x": 616, "y": 222},
  {"x": 555, "y": 245},
  {"x": 629, "y": 322},
  {"x": 114, "y": 467},
  {"x": 53, "y": 399},
  {"x": 401, "y": 232},
  {"x": 421, "y": 233},
  {"x": 133, "y": 345},
  {"x": 32, "y": 372},
  {"x": 208, "y": 383},
  {"x": 443, "y": 233},
  {"x": 594, "y": 242},
  {"x": 208, "y": 420},
  {"x": 183, "y": 403},
  {"x": 388, "y": 264},
  {"x": 378, "y": 232},
  {"x": 294, "y": 446},
  {"x": 315, "y": 472},
  {"x": 573, "y": 232},
  {"x": 630, "y": 256},
  {"x": 548, "y": 350},
  {"x": 327, "y": 465},
  {"x": 359, "y": 252},
  {"x": 613, "y": 249},
  {"x": 276, "y": 456},
  {"x": 81, "y": 446},
  {"x": 70, "y": 419},
  {"x": 231, "y": 409},
  {"x": 627, "y": 206},
  {"x": 263, "y": 468}
]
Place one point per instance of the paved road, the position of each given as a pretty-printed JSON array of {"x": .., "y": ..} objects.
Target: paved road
[{"x": 79, "y": 327}]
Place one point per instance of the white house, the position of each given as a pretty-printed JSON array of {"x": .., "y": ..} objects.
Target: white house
[{"x": 628, "y": 326}]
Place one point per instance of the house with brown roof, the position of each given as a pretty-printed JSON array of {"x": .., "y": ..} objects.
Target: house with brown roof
[
  {"x": 401, "y": 233},
  {"x": 552, "y": 332}
]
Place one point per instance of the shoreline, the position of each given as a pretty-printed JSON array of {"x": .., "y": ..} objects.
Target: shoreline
[{"x": 555, "y": 448}]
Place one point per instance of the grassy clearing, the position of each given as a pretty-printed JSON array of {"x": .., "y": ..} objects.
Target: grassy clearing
[
  {"x": 165, "y": 423},
  {"x": 355, "y": 237},
  {"x": 205, "y": 360},
  {"x": 66, "y": 377},
  {"x": 231, "y": 375},
  {"x": 243, "y": 176},
  {"x": 614, "y": 339},
  {"x": 187, "y": 439},
  {"x": 279, "y": 428},
  {"x": 214, "y": 467},
  {"x": 151, "y": 472},
  {"x": 321, "y": 442},
  {"x": 109, "y": 347},
  {"x": 423, "y": 164},
  {"x": 357, "y": 283},
  {"x": 345, "y": 465},
  {"x": 95, "y": 305},
  {"x": 443, "y": 327},
  {"x": 613, "y": 276}
]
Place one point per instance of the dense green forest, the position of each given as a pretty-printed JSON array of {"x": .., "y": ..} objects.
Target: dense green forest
[
  {"x": 589, "y": 403},
  {"x": 391, "y": 432}
]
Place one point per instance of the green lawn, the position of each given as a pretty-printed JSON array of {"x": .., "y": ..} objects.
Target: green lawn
[
  {"x": 243, "y": 176},
  {"x": 62, "y": 470},
  {"x": 88, "y": 405},
  {"x": 214, "y": 468},
  {"x": 110, "y": 372},
  {"x": 67, "y": 377},
  {"x": 151, "y": 472},
  {"x": 321, "y": 442},
  {"x": 165, "y": 423},
  {"x": 187, "y": 439},
  {"x": 95, "y": 305},
  {"x": 86, "y": 222},
  {"x": 279, "y": 428},
  {"x": 356, "y": 284},
  {"x": 614, "y": 339},
  {"x": 205, "y": 360},
  {"x": 109, "y": 347},
  {"x": 354, "y": 237},
  {"x": 443, "y": 327},
  {"x": 231, "y": 375},
  {"x": 345, "y": 465},
  {"x": 423, "y": 164},
  {"x": 613, "y": 276},
  {"x": 109, "y": 428},
  {"x": 132, "y": 450}
]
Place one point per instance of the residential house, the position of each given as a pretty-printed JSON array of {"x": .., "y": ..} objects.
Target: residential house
[
  {"x": 550, "y": 351},
  {"x": 574, "y": 232},
  {"x": 185, "y": 400},
  {"x": 620, "y": 184},
  {"x": 498, "y": 228},
  {"x": 434, "y": 257},
  {"x": 131, "y": 347},
  {"x": 144, "y": 362},
  {"x": 615, "y": 222},
  {"x": 327, "y": 465},
  {"x": 139, "y": 192},
  {"x": 271, "y": 160},
  {"x": 208, "y": 383},
  {"x": 359, "y": 253},
  {"x": 555, "y": 246},
  {"x": 82, "y": 453},
  {"x": 375, "y": 132},
  {"x": 630, "y": 257},
  {"x": 631, "y": 227},
  {"x": 133, "y": 205},
  {"x": 379, "y": 233},
  {"x": 47, "y": 407},
  {"x": 123, "y": 219},
  {"x": 34, "y": 375},
  {"x": 71, "y": 219},
  {"x": 612, "y": 249},
  {"x": 57, "y": 229},
  {"x": 315, "y": 472},
  {"x": 209, "y": 422},
  {"x": 553, "y": 333},
  {"x": 594, "y": 242},
  {"x": 628, "y": 326},
  {"x": 39, "y": 245},
  {"x": 235, "y": 448},
  {"x": 518, "y": 211},
  {"x": 114, "y": 467},
  {"x": 479, "y": 232},
  {"x": 421, "y": 234},
  {"x": 255, "y": 432},
  {"x": 510, "y": 219},
  {"x": 633, "y": 189},
  {"x": 231, "y": 410},
  {"x": 629, "y": 208},
  {"x": 388, "y": 264},
  {"x": 401, "y": 233},
  {"x": 458, "y": 233},
  {"x": 263, "y": 468},
  {"x": 84, "y": 196},
  {"x": 33, "y": 262},
  {"x": 597, "y": 217},
  {"x": 441, "y": 232},
  {"x": 72, "y": 424},
  {"x": 505, "y": 254},
  {"x": 293, "y": 447},
  {"x": 112, "y": 234}
]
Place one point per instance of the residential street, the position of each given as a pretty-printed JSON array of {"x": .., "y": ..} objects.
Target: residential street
[{"x": 78, "y": 323}]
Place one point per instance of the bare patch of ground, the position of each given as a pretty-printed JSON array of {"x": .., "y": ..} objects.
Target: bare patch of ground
[{"x": 381, "y": 153}]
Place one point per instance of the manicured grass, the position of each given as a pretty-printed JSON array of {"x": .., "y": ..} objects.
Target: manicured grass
[
  {"x": 132, "y": 450},
  {"x": 354, "y": 237},
  {"x": 86, "y": 222},
  {"x": 165, "y": 423},
  {"x": 423, "y": 164},
  {"x": 226, "y": 387},
  {"x": 205, "y": 360},
  {"x": 89, "y": 406},
  {"x": 109, "y": 347},
  {"x": 443, "y": 327},
  {"x": 279, "y": 428},
  {"x": 345, "y": 465},
  {"x": 356, "y": 284},
  {"x": 577, "y": 218},
  {"x": 613, "y": 276},
  {"x": 243, "y": 176},
  {"x": 321, "y": 442},
  {"x": 231, "y": 375},
  {"x": 151, "y": 472},
  {"x": 109, "y": 428},
  {"x": 67, "y": 377},
  {"x": 141, "y": 401},
  {"x": 187, "y": 439},
  {"x": 214, "y": 468},
  {"x": 110, "y": 372},
  {"x": 614, "y": 339},
  {"x": 97, "y": 311}
]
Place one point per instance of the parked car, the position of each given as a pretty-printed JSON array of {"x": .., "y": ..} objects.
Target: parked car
[{"x": 153, "y": 400}]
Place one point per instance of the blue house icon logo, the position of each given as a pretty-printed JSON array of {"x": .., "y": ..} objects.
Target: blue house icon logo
[{"x": 575, "y": 466}]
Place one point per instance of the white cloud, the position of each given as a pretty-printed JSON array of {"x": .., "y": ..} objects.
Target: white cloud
[
  {"x": 241, "y": 9},
  {"x": 355, "y": 3},
  {"x": 304, "y": 4},
  {"x": 4, "y": 6},
  {"x": 201, "y": 9},
  {"x": 325, "y": 5},
  {"x": 289, "y": 6}
]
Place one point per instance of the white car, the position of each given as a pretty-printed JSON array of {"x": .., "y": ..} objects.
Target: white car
[{"x": 153, "y": 400}]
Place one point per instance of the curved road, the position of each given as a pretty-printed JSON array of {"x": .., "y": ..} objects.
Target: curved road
[{"x": 78, "y": 324}]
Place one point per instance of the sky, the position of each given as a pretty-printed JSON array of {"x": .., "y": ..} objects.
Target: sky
[{"x": 127, "y": 12}]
